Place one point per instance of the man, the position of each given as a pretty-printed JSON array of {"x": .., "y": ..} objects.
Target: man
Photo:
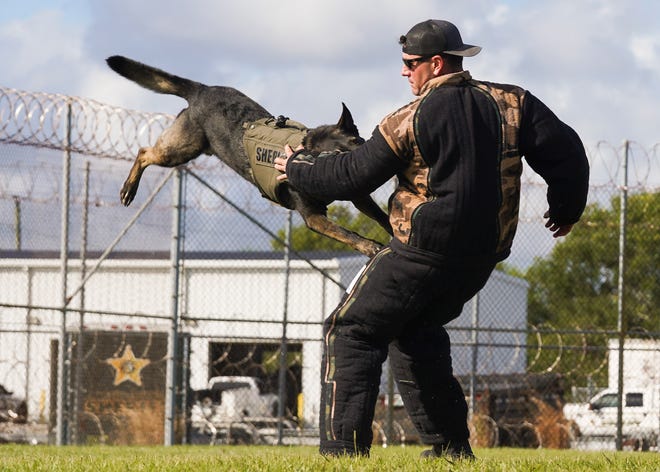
[{"x": 456, "y": 151}]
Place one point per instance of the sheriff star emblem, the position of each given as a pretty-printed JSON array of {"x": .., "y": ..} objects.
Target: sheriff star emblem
[{"x": 128, "y": 367}]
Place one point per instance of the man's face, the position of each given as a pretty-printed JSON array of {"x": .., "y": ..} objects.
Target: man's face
[{"x": 418, "y": 70}]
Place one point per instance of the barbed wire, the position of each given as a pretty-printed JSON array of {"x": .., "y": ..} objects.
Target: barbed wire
[
  {"x": 90, "y": 128},
  {"x": 81, "y": 125}
]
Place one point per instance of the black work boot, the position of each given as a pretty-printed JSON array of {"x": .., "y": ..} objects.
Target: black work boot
[{"x": 456, "y": 450}]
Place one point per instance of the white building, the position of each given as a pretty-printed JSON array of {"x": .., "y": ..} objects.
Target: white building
[{"x": 224, "y": 299}]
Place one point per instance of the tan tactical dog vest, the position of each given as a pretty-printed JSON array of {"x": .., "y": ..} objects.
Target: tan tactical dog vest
[{"x": 264, "y": 140}]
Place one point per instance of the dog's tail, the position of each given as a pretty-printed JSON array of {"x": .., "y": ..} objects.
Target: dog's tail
[{"x": 152, "y": 78}]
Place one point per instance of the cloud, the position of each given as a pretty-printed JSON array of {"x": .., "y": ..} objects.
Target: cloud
[
  {"x": 646, "y": 52},
  {"x": 595, "y": 63},
  {"x": 39, "y": 53}
]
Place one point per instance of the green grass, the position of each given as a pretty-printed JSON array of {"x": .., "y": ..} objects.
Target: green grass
[{"x": 257, "y": 458}]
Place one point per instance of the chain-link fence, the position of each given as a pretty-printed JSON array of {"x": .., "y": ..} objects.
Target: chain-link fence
[{"x": 177, "y": 322}]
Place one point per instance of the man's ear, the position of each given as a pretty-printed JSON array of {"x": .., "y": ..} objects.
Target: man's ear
[{"x": 438, "y": 65}]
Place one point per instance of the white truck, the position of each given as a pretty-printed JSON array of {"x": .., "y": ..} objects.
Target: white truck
[
  {"x": 596, "y": 420},
  {"x": 233, "y": 409},
  {"x": 233, "y": 398}
]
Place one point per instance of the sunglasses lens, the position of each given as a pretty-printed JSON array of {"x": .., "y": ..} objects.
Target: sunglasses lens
[{"x": 410, "y": 63}]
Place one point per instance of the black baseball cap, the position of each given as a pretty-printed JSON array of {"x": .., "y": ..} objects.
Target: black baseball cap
[{"x": 434, "y": 37}]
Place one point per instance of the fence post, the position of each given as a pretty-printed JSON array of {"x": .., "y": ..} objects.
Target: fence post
[
  {"x": 28, "y": 336},
  {"x": 84, "y": 227},
  {"x": 173, "y": 338},
  {"x": 475, "y": 354},
  {"x": 64, "y": 262},
  {"x": 620, "y": 324},
  {"x": 283, "y": 345},
  {"x": 389, "y": 415},
  {"x": 18, "y": 237}
]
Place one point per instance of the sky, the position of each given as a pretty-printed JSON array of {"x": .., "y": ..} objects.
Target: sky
[{"x": 595, "y": 63}]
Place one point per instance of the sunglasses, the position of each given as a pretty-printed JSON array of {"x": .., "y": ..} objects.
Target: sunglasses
[{"x": 411, "y": 63}]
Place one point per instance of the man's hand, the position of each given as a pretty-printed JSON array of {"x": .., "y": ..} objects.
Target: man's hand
[
  {"x": 280, "y": 162},
  {"x": 557, "y": 230}
]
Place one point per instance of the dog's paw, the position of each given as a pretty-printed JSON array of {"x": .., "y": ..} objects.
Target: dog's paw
[
  {"x": 127, "y": 194},
  {"x": 370, "y": 248}
]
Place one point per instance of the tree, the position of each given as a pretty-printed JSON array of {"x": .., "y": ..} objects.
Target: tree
[
  {"x": 573, "y": 292},
  {"x": 304, "y": 239},
  {"x": 577, "y": 283}
]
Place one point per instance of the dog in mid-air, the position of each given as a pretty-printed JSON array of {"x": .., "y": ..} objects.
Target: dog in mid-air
[{"x": 224, "y": 122}]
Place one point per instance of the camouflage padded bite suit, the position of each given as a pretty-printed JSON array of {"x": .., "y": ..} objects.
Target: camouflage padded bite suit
[{"x": 456, "y": 151}]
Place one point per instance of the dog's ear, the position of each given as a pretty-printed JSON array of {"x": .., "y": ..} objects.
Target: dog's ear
[{"x": 346, "y": 123}]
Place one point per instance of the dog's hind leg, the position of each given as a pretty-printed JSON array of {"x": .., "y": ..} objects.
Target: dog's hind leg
[
  {"x": 129, "y": 189},
  {"x": 370, "y": 208},
  {"x": 180, "y": 143}
]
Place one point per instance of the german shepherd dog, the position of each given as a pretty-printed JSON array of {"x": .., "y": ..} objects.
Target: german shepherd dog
[{"x": 213, "y": 124}]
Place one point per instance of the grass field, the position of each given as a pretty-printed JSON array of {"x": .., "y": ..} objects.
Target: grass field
[{"x": 264, "y": 458}]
